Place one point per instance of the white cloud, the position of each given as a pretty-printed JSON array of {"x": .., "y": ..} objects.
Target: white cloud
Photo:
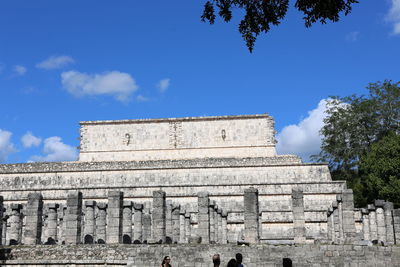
[
  {"x": 118, "y": 84},
  {"x": 142, "y": 98},
  {"x": 20, "y": 70},
  {"x": 29, "y": 140},
  {"x": 352, "y": 36},
  {"x": 56, "y": 150},
  {"x": 163, "y": 85},
  {"x": 393, "y": 16},
  {"x": 55, "y": 62},
  {"x": 6, "y": 146},
  {"x": 303, "y": 139}
]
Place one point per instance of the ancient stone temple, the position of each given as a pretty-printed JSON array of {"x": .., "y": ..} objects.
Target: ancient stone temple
[{"x": 189, "y": 188}]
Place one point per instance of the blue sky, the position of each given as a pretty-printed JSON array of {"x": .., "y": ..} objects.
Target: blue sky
[{"x": 62, "y": 62}]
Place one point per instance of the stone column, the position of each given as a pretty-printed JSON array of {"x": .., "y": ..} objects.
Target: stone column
[
  {"x": 340, "y": 209},
  {"x": 137, "y": 223},
  {"x": 127, "y": 222},
  {"x": 396, "y": 225},
  {"x": 373, "y": 234},
  {"x": 73, "y": 218},
  {"x": 146, "y": 227},
  {"x": 365, "y": 224},
  {"x": 217, "y": 230},
  {"x": 349, "y": 227},
  {"x": 90, "y": 224},
  {"x": 15, "y": 224},
  {"x": 159, "y": 216},
  {"x": 329, "y": 223},
  {"x": 114, "y": 217},
  {"x": 52, "y": 220},
  {"x": 168, "y": 221},
  {"x": 4, "y": 229},
  {"x": 224, "y": 224},
  {"x": 187, "y": 226},
  {"x": 332, "y": 224},
  {"x": 203, "y": 217},
  {"x": 1, "y": 220},
  {"x": 219, "y": 222},
  {"x": 101, "y": 221},
  {"x": 212, "y": 221},
  {"x": 62, "y": 215},
  {"x": 33, "y": 215},
  {"x": 251, "y": 211},
  {"x": 380, "y": 220},
  {"x": 175, "y": 223},
  {"x": 336, "y": 222},
  {"x": 388, "y": 207},
  {"x": 299, "y": 223},
  {"x": 182, "y": 232}
]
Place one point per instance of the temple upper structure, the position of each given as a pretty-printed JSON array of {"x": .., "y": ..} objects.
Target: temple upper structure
[{"x": 178, "y": 138}]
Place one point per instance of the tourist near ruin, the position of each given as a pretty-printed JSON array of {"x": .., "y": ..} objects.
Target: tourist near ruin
[{"x": 188, "y": 188}]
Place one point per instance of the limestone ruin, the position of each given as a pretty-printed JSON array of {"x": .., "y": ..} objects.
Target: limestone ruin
[{"x": 204, "y": 181}]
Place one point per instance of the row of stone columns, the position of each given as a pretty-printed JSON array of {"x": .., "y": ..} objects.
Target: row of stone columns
[
  {"x": 381, "y": 223},
  {"x": 111, "y": 222},
  {"x": 340, "y": 218}
]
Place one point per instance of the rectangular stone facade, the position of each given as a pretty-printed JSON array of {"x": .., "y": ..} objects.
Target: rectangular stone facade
[{"x": 181, "y": 138}]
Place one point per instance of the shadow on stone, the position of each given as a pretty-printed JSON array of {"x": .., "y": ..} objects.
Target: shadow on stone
[
  {"x": 286, "y": 262},
  {"x": 126, "y": 239},
  {"x": 50, "y": 241},
  {"x": 88, "y": 239},
  {"x": 13, "y": 242}
]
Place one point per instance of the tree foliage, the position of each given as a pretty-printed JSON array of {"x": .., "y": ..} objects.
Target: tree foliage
[
  {"x": 261, "y": 14},
  {"x": 380, "y": 170},
  {"x": 353, "y": 124}
]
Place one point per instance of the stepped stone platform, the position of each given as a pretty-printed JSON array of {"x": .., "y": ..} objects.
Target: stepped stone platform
[{"x": 208, "y": 183}]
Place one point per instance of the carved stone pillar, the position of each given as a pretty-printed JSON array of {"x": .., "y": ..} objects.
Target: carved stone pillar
[
  {"x": 349, "y": 227},
  {"x": 137, "y": 222},
  {"x": 52, "y": 220},
  {"x": 73, "y": 218},
  {"x": 175, "y": 223},
  {"x": 33, "y": 216},
  {"x": 219, "y": 218},
  {"x": 251, "y": 211},
  {"x": 114, "y": 217},
  {"x": 388, "y": 208},
  {"x": 182, "y": 225},
  {"x": 224, "y": 224},
  {"x": 101, "y": 221},
  {"x": 159, "y": 216},
  {"x": 299, "y": 225},
  {"x": 127, "y": 222},
  {"x": 187, "y": 226},
  {"x": 168, "y": 221},
  {"x": 380, "y": 220},
  {"x": 336, "y": 222},
  {"x": 90, "y": 223},
  {"x": 373, "y": 228},
  {"x": 203, "y": 218},
  {"x": 212, "y": 221},
  {"x": 365, "y": 224},
  {"x": 146, "y": 227},
  {"x": 15, "y": 224}
]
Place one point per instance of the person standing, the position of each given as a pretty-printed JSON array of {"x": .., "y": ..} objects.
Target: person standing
[
  {"x": 216, "y": 260},
  {"x": 166, "y": 262}
]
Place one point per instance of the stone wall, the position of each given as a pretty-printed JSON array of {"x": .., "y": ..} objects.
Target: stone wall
[
  {"x": 180, "y": 138},
  {"x": 200, "y": 255},
  {"x": 224, "y": 179}
]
